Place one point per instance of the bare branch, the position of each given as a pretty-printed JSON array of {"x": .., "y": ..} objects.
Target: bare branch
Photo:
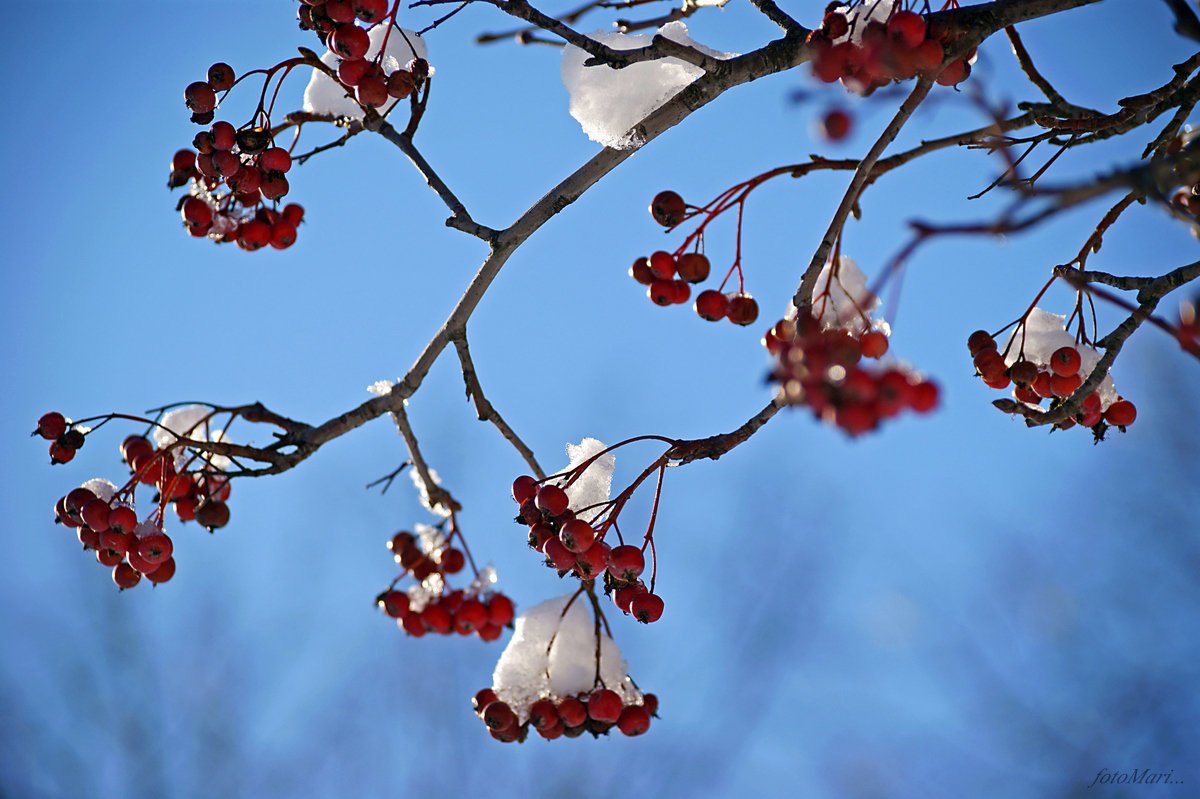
[{"x": 486, "y": 412}]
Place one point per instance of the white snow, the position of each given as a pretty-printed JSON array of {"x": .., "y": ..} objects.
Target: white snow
[
  {"x": 381, "y": 388},
  {"x": 326, "y": 96},
  {"x": 594, "y": 485},
  {"x": 532, "y": 666},
  {"x": 1045, "y": 332},
  {"x": 185, "y": 422},
  {"x": 609, "y": 102},
  {"x": 104, "y": 489},
  {"x": 836, "y": 303},
  {"x": 431, "y": 538},
  {"x": 423, "y": 491}
]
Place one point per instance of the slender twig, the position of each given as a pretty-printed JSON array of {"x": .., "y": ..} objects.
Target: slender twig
[{"x": 487, "y": 413}]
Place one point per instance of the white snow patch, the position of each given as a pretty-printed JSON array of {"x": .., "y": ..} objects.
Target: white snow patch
[
  {"x": 381, "y": 388},
  {"x": 423, "y": 491},
  {"x": 553, "y": 654},
  {"x": 837, "y": 303},
  {"x": 325, "y": 96},
  {"x": 608, "y": 103},
  {"x": 595, "y": 484},
  {"x": 104, "y": 489},
  {"x": 1045, "y": 332}
]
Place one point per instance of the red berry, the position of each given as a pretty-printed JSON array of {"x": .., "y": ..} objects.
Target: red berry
[
  {"x": 592, "y": 561},
  {"x": 668, "y": 208},
  {"x": 1121, "y": 413},
  {"x": 626, "y": 562},
  {"x": 646, "y": 608},
  {"x": 51, "y": 426},
  {"x": 60, "y": 453},
  {"x": 470, "y": 616},
  {"x": 482, "y": 699},
  {"x": 604, "y": 705},
  {"x": 395, "y": 603},
  {"x": 370, "y": 10},
  {"x": 572, "y": 711},
  {"x": 401, "y": 84},
  {"x": 836, "y": 124},
  {"x": 662, "y": 265},
  {"x": 274, "y": 185},
  {"x": 908, "y": 27},
  {"x": 275, "y": 159},
  {"x": 542, "y": 714},
  {"x": 634, "y": 720},
  {"x": 349, "y": 41},
  {"x": 523, "y": 488},
  {"x": 711, "y": 305},
  {"x": 224, "y": 135},
  {"x": 197, "y": 213},
  {"x": 692, "y": 267},
  {"x": 955, "y": 73},
  {"x": 200, "y": 97},
  {"x": 283, "y": 234},
  {"x": 499, "y": 716},
  {"x": 500, "y": 610},
  {"x": 95, "y": 514},
  {"x": 874, "y": 344},
  {"x": 212, "y": 514},
  {"x": 559, "y": 556},
  {"x": 552, "y": 499},
  {"x": 125, "y": 576},
  {"x": 661, "y": 292},
  {"x": 220, "y": 77},
  {"x": 154, "y": 548},
  {"x": 371, "y": 91},
  {"x": 293, "y": 213},
  {"x": 640, "y": 271},
  {"x": 924, "y": 396},
  {"x": 164, "y": 572},
  {"x": 577, "y": 535},
  {"x": 1065, "y": 361},
  {"x": 436, "y": 619},
  {"x": 253, "y": 235},
  {"x": 1065, "y": 385},
  {"x": 742, "y": 310},
  {"x": 1023, "y": 373}
]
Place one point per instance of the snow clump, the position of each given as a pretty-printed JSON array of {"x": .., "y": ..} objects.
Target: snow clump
[
  {"x": 608, "y": 103},
  {"x": 1045, "y": 332},
  {"x": 552, "y": 654}
]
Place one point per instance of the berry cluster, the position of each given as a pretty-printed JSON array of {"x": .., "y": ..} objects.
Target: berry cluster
[
  {"x": 238, "y": 213},
  {"x": 429, "y": 606},
  {"x": 105, "y": 516},
  {"x": 365, "y": 79},
  {"x": 1054, "y": 377},
  {"x": 866, "y": 50},
  {"x": 821, "y": 367},
  {"x": 110, "y": 526},
  {"x": 668, "y": 276},
  {"x": 597, "y": 712},
  {"x": 572, "y": 545},
  {"x": 64, "y": 439}
]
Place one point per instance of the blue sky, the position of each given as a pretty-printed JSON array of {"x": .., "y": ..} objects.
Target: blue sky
[{"x": 952, "y": 605}]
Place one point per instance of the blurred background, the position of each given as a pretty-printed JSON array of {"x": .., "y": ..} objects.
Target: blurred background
[{"x": 952, "y": 606}]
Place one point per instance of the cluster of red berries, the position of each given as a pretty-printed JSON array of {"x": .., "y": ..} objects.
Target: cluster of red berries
[
  {"x": 430, "y": 607},
  {"x": 111, "y": 528},
  {"x": 821, "y": 368},
  {"x": 596, "y": 712},
  {"x": 572, "y": 545},
  {"x": 104, "y": 515},
  {"x": 196, "y": 495},
  {"x": 866, "y": 54},
  {"x": 335, "y": 23},
  {"x": 1054, "y": 380},
  {"x": 668, "y": 277},
  {"x": 64, "y": 439}
]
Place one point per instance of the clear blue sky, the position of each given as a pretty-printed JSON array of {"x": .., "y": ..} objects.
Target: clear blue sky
[{"x": 954, "y": 606}]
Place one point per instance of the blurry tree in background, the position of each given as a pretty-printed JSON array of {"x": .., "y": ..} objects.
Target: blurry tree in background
[{"x": 831, "y": 354}]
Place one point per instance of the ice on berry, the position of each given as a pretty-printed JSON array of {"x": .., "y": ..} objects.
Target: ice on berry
[
  {"x": 553, "y": 654},
  {"x": 484, "y": 581},
  {"x": 326, "y": 96},
  {"x": 608, "y": 103},
  {"x": 430, "y": 537},
  {"x": 425, "y": 592},
  {"x": 1045, "y": 332},
  {"x": 594, "y": 485}
]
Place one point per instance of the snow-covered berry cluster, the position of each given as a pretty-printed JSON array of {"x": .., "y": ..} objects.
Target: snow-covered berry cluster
[
  {"x": 431, "y": 606},
  {"x": 561, "y": 676},
  {"x": 871, "y": 43},
  {"x": 370, "y": 79},
  {"x": 105, "y": 516},
  {"x": 1042, "y": 361},
  {"x": 819, "y": 357},
  {"x": 553, "y": 510}
]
